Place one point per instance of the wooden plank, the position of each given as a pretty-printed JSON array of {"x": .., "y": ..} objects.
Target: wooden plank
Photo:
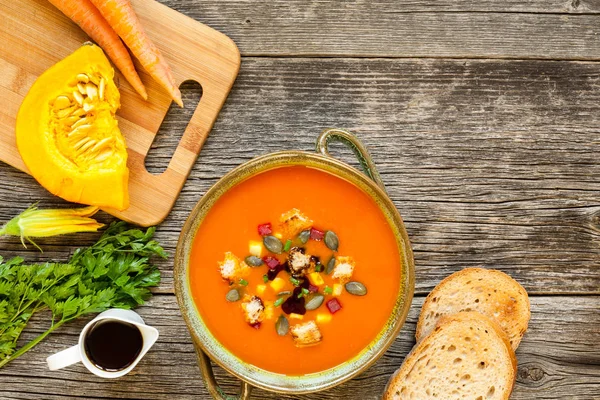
[
  {"x": 491, "y": 163},
  {"x": 388, "y": 28},
  {"x": 556, "y": 360}
]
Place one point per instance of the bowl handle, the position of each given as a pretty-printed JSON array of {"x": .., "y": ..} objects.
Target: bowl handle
[
  {"x": 211, "y": 384},
  {"x": 360, "y": 151}
]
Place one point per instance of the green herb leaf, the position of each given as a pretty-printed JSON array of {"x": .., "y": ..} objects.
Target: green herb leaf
[
  {"x": 279, "y": 301},
  {"x": 294, "y": 281},
  {"x": 288, "y": 246},
  {"x": 328, "y": 290},
  {"x": 243, "y": 282},
  {"x": 265, "y": 278},
  {"x": 113, "y": 273}
]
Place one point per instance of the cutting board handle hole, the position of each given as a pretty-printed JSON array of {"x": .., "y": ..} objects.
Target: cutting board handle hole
[{"x": 171, "y": 130}]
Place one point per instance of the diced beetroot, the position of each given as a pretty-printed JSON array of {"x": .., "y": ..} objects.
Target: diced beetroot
[
  {"x": 272, "y": 273},
  {"x": 312, "y": 288},
  {"x": 316, "y": 234},
  {"x": 334, "y": 305},
  {"x": 271, "y": 262},
  {"x": 294, "y": 304},
  {"x": 265, "y": 229},
  {"x": 255, "y": 325}
]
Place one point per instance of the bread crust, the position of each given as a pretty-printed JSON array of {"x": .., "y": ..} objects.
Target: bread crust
[
  {"x": 467, "y": 318},
  {"x": 510, "y": 307}
]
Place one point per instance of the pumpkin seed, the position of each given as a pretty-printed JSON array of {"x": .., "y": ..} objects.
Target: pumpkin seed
[
  {"x": 87, "y": 107},
  {"x": 356, "y": 288},
  {"x": 331, "y": 240},
  {"x": 304, "y": 236},
  {"x": 282, "y": 325},
  {"x": 81, "y": 88},
  {"x": 233, "y": 295},
  {"x": 81, "y": 143},
  {"x": 83, "y": 78},
  {"x": 314, "y": 301},
  {"x": 82, "y": 121},
  {"x": 61, "y": 103},
  {"x": 91, "y": 90},
  {"x": 78, "y": 97},
  {"x": 284, "y": 293},
  {"x": 101, "y": 144},
  {"x": 101, "y": 89},
  {"x": 254, "y": 261},
  {"x": 64, "y": 113},
  {"x": 273, "y": 244},
  {"x": 79, "y": 130},
  {"x": 104, "y": 155},
  {"x": 86, "y": 146},
  {"x": 330, "y": 265}
]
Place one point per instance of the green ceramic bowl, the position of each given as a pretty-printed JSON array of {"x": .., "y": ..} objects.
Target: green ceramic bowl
[{"x": 208, "y": 346}]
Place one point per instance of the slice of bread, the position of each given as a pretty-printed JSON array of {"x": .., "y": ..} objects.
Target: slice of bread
[
  {"x": 487, "y": 291},
  {"x": 467, "y": 356}
]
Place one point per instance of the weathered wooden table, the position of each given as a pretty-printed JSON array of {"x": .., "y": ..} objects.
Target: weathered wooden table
[{"x": 484, "y": 120}]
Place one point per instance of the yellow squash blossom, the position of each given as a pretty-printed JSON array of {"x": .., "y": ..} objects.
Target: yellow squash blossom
[{"x": 34, "y": 223}]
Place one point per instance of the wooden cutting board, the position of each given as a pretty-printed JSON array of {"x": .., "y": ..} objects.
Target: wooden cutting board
[{"x": 34, "y": 36}]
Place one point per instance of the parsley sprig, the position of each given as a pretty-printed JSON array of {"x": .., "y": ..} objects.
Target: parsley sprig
[{"x": 113, "y": 273}]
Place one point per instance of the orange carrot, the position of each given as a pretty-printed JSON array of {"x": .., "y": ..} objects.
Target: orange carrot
[
  {"x": 87, "y": 16},
  {"x": 122, "y": 18}
]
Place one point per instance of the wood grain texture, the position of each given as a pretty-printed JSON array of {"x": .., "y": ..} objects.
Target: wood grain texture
[
  {"x": 551, "y": 362},
  {"x": 558, "y": 29},
  {"x": 193, "y": 50},
  {"x": 491, "y": 163}
]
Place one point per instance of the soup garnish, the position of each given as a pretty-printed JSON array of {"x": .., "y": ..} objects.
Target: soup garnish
[{"x": 304, "y": 275}]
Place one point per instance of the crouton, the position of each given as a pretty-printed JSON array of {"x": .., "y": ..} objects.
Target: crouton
[
  {"x": 292, "y": 222},
  {"x": 344, "y": 267},
  {"x": 232, "y": 268},
  {"x": 298, "y": 262},
  {"x": 254, "y": 310},
  {"x": 306, "y": 334}
]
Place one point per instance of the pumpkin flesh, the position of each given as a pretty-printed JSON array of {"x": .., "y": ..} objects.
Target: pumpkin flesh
[{"x": 67, "y": 133}]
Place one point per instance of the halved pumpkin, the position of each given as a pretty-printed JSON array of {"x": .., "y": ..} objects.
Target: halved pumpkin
[{"x": 67, "y": 133}]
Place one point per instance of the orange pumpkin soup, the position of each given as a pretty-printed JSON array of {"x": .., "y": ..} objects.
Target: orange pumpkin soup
[{"x": 263, "y": 278}]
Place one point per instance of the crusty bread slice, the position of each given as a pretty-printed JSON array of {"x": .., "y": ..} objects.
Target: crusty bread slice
[
  {"x": 467, "y": 356},
  {"x": 487, "y": 291}
]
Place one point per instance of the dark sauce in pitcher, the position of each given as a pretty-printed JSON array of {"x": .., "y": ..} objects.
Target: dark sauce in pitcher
[{"x": 113, "y": 345}]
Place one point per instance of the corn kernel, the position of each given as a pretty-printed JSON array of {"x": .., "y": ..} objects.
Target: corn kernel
[
  {"x": 323, "y": 318},
  {"x": 316, "y": 279},
  {"x": 296, "y": 316},
  {"x": 277, "y": 284},
  {"x": 260, "y": 289},
  {"x": 337, "y": 289},
  {"x": 255, "y": 248}
]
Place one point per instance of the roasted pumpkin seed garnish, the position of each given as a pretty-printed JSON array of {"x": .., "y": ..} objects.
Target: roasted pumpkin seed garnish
[
  {"x": 273, "y": 244},
  {"x": 356, "y": 288},
  {"x": 313, "y": 302},
  {"x": 282, "y": 325},
  {"x": 304, "y": 236},
  {"x": 233, "y": 295},
  {"x": 330, "y": 265},
  {"x": 254, "y": 261},
  {"x": 331, "y": 240}
]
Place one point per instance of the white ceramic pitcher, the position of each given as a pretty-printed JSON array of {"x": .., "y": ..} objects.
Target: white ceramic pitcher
[{"x": 77, "y": 353}]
